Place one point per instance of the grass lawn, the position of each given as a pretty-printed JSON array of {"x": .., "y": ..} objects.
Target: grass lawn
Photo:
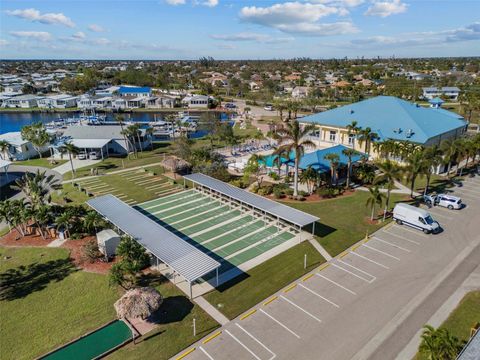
[
  {"x": 71, "y": 193},
  {"x": 43, "y": 162},
  {"x": 242, "y": 293},
  {"x": 175, "y": 332},
  {"x": 119, "y": 163},
  {"x": 462, "y": 319},
  {"x": 45, "y": 302},
  {"x": 343, "y": 221},
  {"x": 438, "y": 183}
]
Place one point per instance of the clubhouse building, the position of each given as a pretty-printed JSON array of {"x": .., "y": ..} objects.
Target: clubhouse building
[{"x": 390, "y": 118}]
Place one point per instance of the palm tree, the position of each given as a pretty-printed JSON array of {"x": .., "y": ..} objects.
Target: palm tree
[
  {"x": 376, "y": 198},
  {"x": 92, "y": 221},
  {"x": 134, "y": 130},
  {"x": 121, "y": 121},
  {"x": 367, "y": 136},
  {"x": 334, "y": 160},
  {"x": 64, "y": 222},
  {"x": 70, "y": 149},
  {"x": 280, "y": 107},
  {"x": 37, "y": 135},
  {"x": 149, "y": 132},
  {"x": 439, "y": 344},
  {"x": 432, "y": 158},
  {"x": 353, "y": 128},
  {"x": 461, "y": 153},
  {"x": 349, "y": 153},
  {"x": 416, "y": 166},
  {"x": 36, "y": 187},
  {"x": 391, "y": 172},
  {"x": 308, "y": 177},
  {"x": 291, "y": 139},
  {"x": 4, "y": 149},
  {"x": 449, "y": 151}
]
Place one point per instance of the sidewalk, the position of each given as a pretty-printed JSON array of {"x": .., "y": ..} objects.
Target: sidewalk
[
  {"x": 401, "y": 189},
  {"x": 211, "y": 310}
]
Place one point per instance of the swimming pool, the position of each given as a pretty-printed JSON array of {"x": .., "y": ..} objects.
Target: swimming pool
[{"x": 270, "y": 160}]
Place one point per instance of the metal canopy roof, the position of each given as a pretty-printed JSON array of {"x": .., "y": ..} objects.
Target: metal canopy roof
[
  {"x": 182, "y": 257},
  {"x": 284, "y": 212},
  {"x": 90, "y": 143}
]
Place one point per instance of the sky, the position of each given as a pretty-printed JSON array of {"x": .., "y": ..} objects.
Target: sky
[{"x": 237, "y": 29}]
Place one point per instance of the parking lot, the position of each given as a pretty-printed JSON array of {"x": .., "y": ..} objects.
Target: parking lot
[{"x": 334, "y": 312}]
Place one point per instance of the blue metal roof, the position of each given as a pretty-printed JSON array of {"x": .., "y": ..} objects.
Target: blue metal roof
[
  {"x": 392, "y": 118},
  {"x": 316, "y": 160},
  {"x": 133, "y": 90}
]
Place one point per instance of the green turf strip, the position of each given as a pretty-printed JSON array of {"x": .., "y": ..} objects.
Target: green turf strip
[
  {"x": 187, "y": 214},
  {"x": 168, "y": 211},
  {"x": 161, "y": 201},
  {"x": 172, "y": 203},
  {"x": 95, "y": 344},
  {"x": 249, "y": 240},
  {"x": 235, "y": 235},
  {"x": 260, "y": 249},
  {"x": 207, "y": 224},
  {"x": 223, "y": 229},
  {"x": 193, "y": 220}
]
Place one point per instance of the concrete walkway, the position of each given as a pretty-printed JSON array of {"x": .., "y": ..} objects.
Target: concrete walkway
[
  {"x": 211, "y": 310},
  {"x": 320, "y": 249},
  {"x": 401, "y": 189},
  {"x": 472, "y": 283},
  {"x": 77, "y": 164}
]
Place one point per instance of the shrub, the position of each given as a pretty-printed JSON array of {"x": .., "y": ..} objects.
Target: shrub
[
  {"x": 255, "y": 189},
  {"x": 278, "y": 193},
  {"x": 90, "y": 251},
  {"x": 326, "y": 192},
  {"x": 274, "y": 176},
  {"x": 303, "y": 193}
]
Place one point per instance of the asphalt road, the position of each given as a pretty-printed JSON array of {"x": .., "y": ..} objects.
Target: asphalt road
[{"x": 368, "y": 303}]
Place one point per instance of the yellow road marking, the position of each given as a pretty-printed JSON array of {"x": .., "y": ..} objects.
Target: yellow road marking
[
  {"x": 291, "y": 287},
  {"x": 324, "y": 266},
  {"x": 343, "y": 255},
  {"x": 212, "y": 337},
  {"x": 186, "y": 353},
  {"x": 356, "y": 247},
  {"x": 269, "y": 301},
  {"x": 248, "y": 314},
  {"x": 307, "y": 277}
]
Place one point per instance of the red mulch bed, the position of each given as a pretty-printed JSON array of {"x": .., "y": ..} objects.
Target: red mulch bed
[
  {"x": 76, "y": 254},
  {"x": 313, "y": 197},
  {"x": 13, "y": 238}
]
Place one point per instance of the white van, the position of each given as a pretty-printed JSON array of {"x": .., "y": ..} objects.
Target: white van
[{"x": 416, "y": 218}]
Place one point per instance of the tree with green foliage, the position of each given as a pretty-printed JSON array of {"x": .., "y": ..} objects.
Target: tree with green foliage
[
  {"x": 349, "y": 153},
  {"x": 4, "y": 149},
  {"x": 439, "y": 344},
  {"x": 71, "y": 150},
  {"x": 132, "y": 253},
  {"x": 292, "y": 140},
  {"x": 37, "y": 135},
  {"x": 390, "y": 172},
  {"x": 334, "y": 161},
  {"x": 255, "y": 166},
  {"x": 375, "y": 198}
]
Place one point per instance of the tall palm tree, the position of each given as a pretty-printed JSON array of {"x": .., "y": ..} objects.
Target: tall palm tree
[
  {"x": 449, "y": 151},
  {"x": 92, "y": 221},
  {"x": 367, "y": 136},
  {"x": 291, "y": 139},
  {"x": 136, "y": 132},
  {"x": 149, "y": 132},
  {"x": 391, "y": 172},
  {"x": 37, "y": 135},
  {"x": 334, "y": 160},
  {"x": 4, "y": 149},
  {"x": 376, "y": 198},
  {"x": 36, "y": 187},
  {"x": 121, "y": 121},
  {"x": 349, "y": 153},
  {"x": 280, "y": 107},
  {"x": 432, "y": 158},
  {"x": 461, "y": 154},
  {"x": 71, "y": 150},
  {"x": 63, "y": 221},
  {"x": 308, "y": 177},
  {"x": 439, "y": 344},
  {"x": 416, "y": 166},
  {"x": 353, "y": 128}
]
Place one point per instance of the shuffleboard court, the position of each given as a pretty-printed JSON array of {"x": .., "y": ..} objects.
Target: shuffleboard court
[{"x": 94, "y": 344}]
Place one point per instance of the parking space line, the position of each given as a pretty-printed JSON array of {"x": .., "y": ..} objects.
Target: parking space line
[
  {"x": 351, "y": 273},
  {"x": 206, "y": 354},
  {"x": 211, "y": 337},
  {"x": 242, "y": 344},
  {"x": 185, "y": 354},
  {"x": 258, "y": 341},
  {"x": 337, "y": 284},
  {"x": 393, "y": 245},
  {"x": 372, "y": 261},
  {"x": 318, "y": 295},
  {"x": 401, "y": 237},
  {"x": 416, "y": 232},
  {"x": 300, "y": 308},
  {"x": 279, "y": 323},
  {"x": 270, "y": 300},
  {"x": 358, "y": 269},
  {"x": 251, "y": 312}
]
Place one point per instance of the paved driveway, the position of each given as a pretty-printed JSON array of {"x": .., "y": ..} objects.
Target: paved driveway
[{"x": 353, "y": 307}]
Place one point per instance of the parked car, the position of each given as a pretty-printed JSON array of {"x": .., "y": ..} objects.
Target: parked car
[
  {"x": 415, "y": 217},
  {"x": 268, "y": 107},
  {"x": 94, "y": 155},
  {"x": 449, "y": 201},
  {"x": 82, "y": 156}
]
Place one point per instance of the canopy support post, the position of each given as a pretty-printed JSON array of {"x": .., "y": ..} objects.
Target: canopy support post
[
  {"x": 313, "y": 229},
  {"x": 216, "y": 270},
  {"x": 190, "y": 286}
]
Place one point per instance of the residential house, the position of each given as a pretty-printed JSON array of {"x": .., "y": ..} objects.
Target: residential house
[
  {"x": 21, "y": 101},
  {"x": 300, "y": 92},
  {"x": 60, "y": 101},
  {"x": 197, "y": 101},
  {"x": 135, "y": 91},
  {"x": 19, "y": 148},
  {"x": 451, "y": 93}
]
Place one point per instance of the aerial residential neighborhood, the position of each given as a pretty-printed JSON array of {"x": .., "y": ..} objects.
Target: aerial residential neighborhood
[{"x": 219, "y": 179}]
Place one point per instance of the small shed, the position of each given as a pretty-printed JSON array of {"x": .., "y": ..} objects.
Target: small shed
[{"x": 108, "y": 241}]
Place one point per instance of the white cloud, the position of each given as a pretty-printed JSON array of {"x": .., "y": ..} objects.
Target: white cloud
[
  {"x": 79, "y": 35},
  {"x": 209, "y": 3},
  {"x": 386, "y": 8},
  {"x": 245, "y": 36},
  {"x": 101, "y": 41},
  {"x": 3, "y": 42},
  {"x": 35, "y": 35},
  {"x": 95, "y": 28},
  {"x": 47, "y": 18},
  {"x": 175, "y": 2},
  {"x": 298, "y": 18},
  {"x": 345, "y": 3},
  {"x": 470, "y": 32}
]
